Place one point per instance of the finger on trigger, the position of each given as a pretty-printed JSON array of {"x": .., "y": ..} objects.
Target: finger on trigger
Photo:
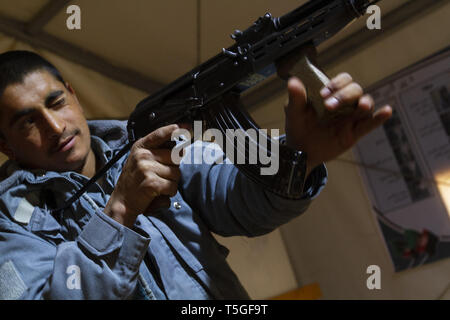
[{"x": 159, "y": 136}]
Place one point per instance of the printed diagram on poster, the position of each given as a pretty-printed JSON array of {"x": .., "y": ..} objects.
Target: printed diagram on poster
[{"x": 405, "y": 164}]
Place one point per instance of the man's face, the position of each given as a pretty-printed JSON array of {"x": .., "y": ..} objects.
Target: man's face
[{"x": 43, "y": 124}]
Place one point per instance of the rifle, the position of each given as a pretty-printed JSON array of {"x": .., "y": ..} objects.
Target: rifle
[{"x": 211, "y": 91}]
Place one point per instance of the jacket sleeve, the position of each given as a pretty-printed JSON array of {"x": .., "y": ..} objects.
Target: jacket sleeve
[
  {"x": 102, "y": 263},
  {"x": 231, "y": 204}
]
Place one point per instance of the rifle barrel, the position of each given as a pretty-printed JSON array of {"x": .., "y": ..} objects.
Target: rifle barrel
[
  {"x": 308, "y": 9},
  {"x": 302, "y": 12}
]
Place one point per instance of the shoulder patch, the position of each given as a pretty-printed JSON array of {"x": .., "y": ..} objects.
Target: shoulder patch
[
  {"x": 24, "y": 211},
  {"x": 11, "y": 284}
]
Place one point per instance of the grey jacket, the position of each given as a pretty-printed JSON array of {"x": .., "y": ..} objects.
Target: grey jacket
[{"x": 84, "y": 254}]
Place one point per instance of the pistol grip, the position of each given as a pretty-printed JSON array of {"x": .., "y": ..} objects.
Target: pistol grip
[{"x": 302, "y": 64}]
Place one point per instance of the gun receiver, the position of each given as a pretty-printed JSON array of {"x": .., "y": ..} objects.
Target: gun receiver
[{"x": 211, "y": 91}]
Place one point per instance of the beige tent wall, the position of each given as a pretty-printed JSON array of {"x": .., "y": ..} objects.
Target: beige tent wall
[
  {"x": 337, "y": 239},
  {"x": 262, "y": 263}
]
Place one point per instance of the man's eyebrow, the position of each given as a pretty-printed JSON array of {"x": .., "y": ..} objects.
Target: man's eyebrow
[
  {"x": 48, "y": 100},
  {"x": 52, "y": 96}
]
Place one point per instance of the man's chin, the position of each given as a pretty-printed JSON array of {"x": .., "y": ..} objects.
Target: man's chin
[{"x": 72, "y": 163}]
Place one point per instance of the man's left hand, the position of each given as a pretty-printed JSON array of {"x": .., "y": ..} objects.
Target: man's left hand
[{"x": 325, "y": 142}]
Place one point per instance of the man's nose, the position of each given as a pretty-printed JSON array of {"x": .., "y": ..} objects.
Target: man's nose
[{"x": 55, "y": 126}]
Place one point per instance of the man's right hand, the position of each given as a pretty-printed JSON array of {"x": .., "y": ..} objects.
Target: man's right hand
[{"x": 148, "y": 179}]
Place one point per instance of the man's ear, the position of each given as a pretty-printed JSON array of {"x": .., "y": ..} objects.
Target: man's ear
[{"x": 4, "y": 148}]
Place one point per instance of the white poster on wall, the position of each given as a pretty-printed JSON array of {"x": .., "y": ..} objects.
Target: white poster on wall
[{"x": 405, "y": 164}]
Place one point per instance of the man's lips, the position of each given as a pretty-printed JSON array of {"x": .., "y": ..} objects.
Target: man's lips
[{"x": 66, "y": 144}]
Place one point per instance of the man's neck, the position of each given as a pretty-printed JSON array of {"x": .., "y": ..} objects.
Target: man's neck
[{"x": 89, "y": 168}]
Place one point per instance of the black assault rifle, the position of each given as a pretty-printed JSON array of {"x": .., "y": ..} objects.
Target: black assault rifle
[{"x": 211, "y": 91}]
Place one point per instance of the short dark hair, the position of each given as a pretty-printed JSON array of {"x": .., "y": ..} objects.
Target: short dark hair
[{"x": 15, "y": 65}]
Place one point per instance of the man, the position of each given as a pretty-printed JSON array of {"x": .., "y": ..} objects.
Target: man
[{"x": 103, "y": 246}]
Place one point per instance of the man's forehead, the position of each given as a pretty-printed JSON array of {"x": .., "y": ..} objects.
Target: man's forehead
[{"x": 33, "y": 89}]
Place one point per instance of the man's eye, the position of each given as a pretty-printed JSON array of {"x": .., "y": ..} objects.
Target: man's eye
[
  {"x": 59, "y": 102},
  {"x": 28, "y": 121}
]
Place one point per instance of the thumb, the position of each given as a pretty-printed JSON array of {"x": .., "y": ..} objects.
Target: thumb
[{"x": 297, "y": 95}]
